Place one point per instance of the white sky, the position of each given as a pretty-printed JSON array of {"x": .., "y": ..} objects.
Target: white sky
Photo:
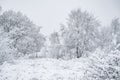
[{"x": 50, "y": 13}]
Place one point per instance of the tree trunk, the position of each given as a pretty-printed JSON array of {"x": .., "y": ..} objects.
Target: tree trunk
[
  {"x": 77, "y": 48},
  {"x": 77, "y": 52}
]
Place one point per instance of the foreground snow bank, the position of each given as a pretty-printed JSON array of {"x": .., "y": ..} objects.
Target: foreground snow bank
[
  {"x": 43, "y": 69},
  {"x": 98, "y": 66}
]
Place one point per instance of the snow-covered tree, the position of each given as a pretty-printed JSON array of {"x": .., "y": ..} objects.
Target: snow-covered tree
[
  {"x": 24, "y": 35},
  {"x": 109, "y": 37},
  {"x": 115, "y": 25},
  {"x": 0, "y": 9},
  {"x": 81, "y": 32},
  {"x": 54, "y": 38},
  {"x": 106, "y": 39},
  {"x": 54, "y": 48}
]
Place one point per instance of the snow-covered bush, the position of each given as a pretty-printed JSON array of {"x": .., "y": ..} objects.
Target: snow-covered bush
[
  {"x": 5, "y": 57},
  {"x": 103, "y": 66},
  {"x": 36, "y": 55},
  {"x": 60, "y": 52},
  {"x": 54, "y": 51}
]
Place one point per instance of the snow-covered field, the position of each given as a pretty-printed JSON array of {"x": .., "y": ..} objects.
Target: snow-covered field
[{"x": 44, "y": 69}]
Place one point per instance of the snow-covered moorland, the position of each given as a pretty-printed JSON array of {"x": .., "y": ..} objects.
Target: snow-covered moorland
[
  {"x": 98, "y": 66},
  {"x": 43, "y": 69}
]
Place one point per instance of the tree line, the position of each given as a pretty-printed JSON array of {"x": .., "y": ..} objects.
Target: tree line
[{"x": 80, "y": 36}]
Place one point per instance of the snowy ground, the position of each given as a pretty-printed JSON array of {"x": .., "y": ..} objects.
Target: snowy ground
[{"x": 43, "y": 69}]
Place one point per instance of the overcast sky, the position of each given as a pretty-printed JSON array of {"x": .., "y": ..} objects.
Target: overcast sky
[{"x": 50, "y": 13}]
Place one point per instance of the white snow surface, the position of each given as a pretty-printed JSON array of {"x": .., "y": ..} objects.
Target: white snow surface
[{"x": 44, "y": 69}]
